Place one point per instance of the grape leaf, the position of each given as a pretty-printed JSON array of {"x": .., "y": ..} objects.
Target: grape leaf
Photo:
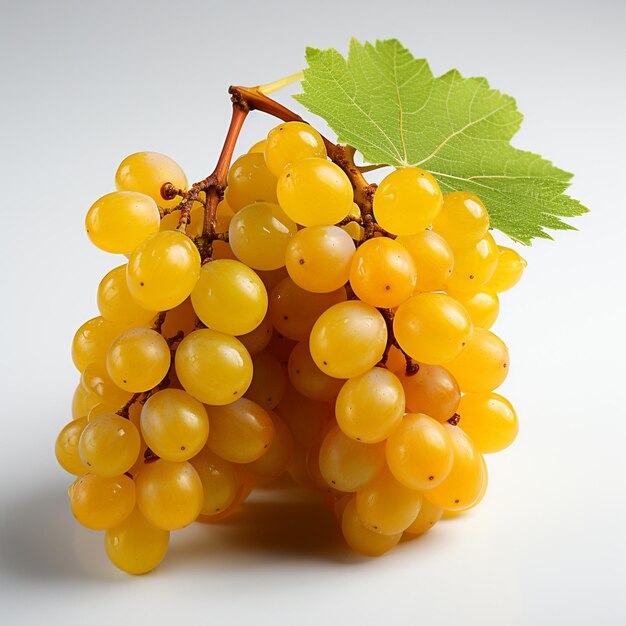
[{"x": 394, "y": 111}]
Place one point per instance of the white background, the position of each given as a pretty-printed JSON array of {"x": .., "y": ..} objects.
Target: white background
[{"x": 86, "y": 83}]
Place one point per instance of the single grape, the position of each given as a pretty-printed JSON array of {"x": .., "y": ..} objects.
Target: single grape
[
  {"x": 213, "y": 367},
  {"x": 115, "y": 302},
  {"x": 249, "y": 180},
  {"x": 483, "y": 306},
  {"x": 508, "y": 271},
  {"x": 281, "y": 346},
  {"x": 229, "y": 297},
  {"x": 428, "y": 516},
  {"x": 315, "y": 192},
  {"x": 348, "y": 339},
  {"x": 258, "y": 339},
  {"x": 259, "y": 146},
  {"x": 277, "y": 458},
  {"x": 360, "y": 538},
  {"x": 307, "y": 378},
  {"x": 92, "y": 340},
  {"x": 100, "y": 409},
  {"x": 181, "y": 318},
  {"x": 354, "y": 229},
  {"x": 291, "y": 142},
  {"x": 305, "y": 417},
  {"x": 97, "y": 381},
  {"x": 147, "y": 172},
  {"x": 163, "y": 270},
  {"x": 220, "y": 482},
  {"x": 82, "y": 402},
  {"x": 463, "y": 220},
  {"x": 370, "y": 406},
  {"x": 66, "y": 447},
  {"x": 474, "y": 265},
  {"x": 268, "y": 381},
  {"x": 271, "y": 278},
  {"x": 407, "y": 201}
]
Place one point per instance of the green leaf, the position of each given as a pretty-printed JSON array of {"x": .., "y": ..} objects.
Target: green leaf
[{"x": 394, "y": 111}]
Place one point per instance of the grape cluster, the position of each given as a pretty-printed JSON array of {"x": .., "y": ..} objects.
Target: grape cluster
[{"x": 361, "y": 365}]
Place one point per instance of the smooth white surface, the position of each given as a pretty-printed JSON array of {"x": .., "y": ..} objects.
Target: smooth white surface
[{"x": 86, "y": 83}]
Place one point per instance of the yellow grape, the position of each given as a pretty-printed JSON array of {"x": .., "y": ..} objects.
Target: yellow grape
[
  {"x": 431, "y": 390},
  {"x": 120, "y": 221},
  {"x": 432, "y": 327},
  {"x": 307, "y": 378},
  {"x": 213, "y": 367},
  {"x": 281, "y": 346},
  {"x": 419, "y": 452},
  {"x": 96, "y": 380},
  {"x": 298, "y": 469},
  {"x": 354, "y": 229},
  {"x": 101, "y": 502},
  {"x": 306, "y": 418},
  {"x": 483, "y": 306},
  {"x": 349, "y": 465},
  {"x": 318, "y": 258},
  {"x": 383, "y": 273},
  {"x": 259, "y": 235},
  {"x": 360, "y": 538},
  {"x": 174, "y": 425},
  {"x": 163, "y": 270},
  {"x": 294, "y": 311},
  {"x": 258, "y": 339},
  {"x": 315, "y": 192},
  {"x": 348, "y": 339},
  {"x": 183, "y": 317},
  {"x": 246, "y": 483},
  {"x": 249, "y": 180},
  {"x": 82, "y": 402},
  {"x": 407, "y": 201},
  {"x": 291, "y": 142},
  {"x": 229, "y": 297},
  {"x": 433, "y": 258},
  {"x": 220, "y": 482},
  {"x": 278, "y": 456},
  {"x": 271, "y": 278},
  {"x": 169, "y": 494},
  {"x": 115, "y": 302},
  {"x": 109, "y": 445},
  {"x": 138, "y": 359},
  {"x": 489, "y": 419},
  {"x": 508, "y": 271},
  {"x": 428, "y": 516},
  {"x": 483, "y": 364},
  {"x": 92, "y": 340},
  {"x": 474, "y": 265},
  {"x": 136, "y": 546},
  {"x": 100, "y": 409},
  {"x": 370, "y": 406},
  {"x": 259, "y": 146},
  {"x": 268, "y": 381},
  {"x": 396, "y": 360},
  {"x": 147, "y": 172},
  {"x": 241, "y": 432},
  {"x": 387, "y": 506},
  {"x": 464, "y": 484},
  {"x": 66, "y": 447},
  {"x": 463, "y": 219}
]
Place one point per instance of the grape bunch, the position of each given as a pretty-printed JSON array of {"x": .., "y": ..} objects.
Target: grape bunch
[{"x": 286, "y": 331}]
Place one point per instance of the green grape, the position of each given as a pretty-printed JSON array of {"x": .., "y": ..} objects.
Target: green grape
[
  {"x": 508, "y": 271},
  {"x": 387, "y": 506},
  {"x": 370, "y": 406},
  {"x": 138, "y": 359},
  {"x": 213, "y": 367},
  {"x": 97, "y": 381},
  {"x": 465, "y": 483},
  {"x": 120, "y": 221},
  {"x": 268, "y": 381},
  {"x": 428, "y": 516},
  {"x": 489, "y": 419},
  {"x": 220, "y": 482},
  {"x": 241, "y": 432},
  {"x": 294, "y": 311},
  {"x": 431, "y": 390},
  {"x": 163, "y": 270},
  {"x": 349, "y": 465},
  {"x": 259, "y": 235},
  {"x": 136, "y": 546},
  {"x": 291, "y": 142},
  {"x": 419, "y": 452},
  {"x": 109, "y": 445},
  {"x": 169, "y": 494},
  {"x": 483, "y": 306},
  {"x": 147, "y": 172},
  {"x": 360, "y": 538},
  {"x": 483, "y": 364},
  {"x": 66, "y": 447},
  {"x": 348, "y": 339},
  {"x": 229, "y": 297},
  {"x": 278, "y": 456},
  {"x": 433, "y": 258},
  {"x": 115, "y": 302},
  {"x": 315, "y": 192},
  {"x": 432, "y": 327},
  {"x": 474, "y": 265},
  {"x": 383, "y": 273},
  {"x": 463, "y": 220},
  {"x": 407, "y": 201},
  {"x": 101, "y": 502},
  {"x": 174, "y": 425},
  {"x": 307, "y": 378},
  {"x": 249, "y": 180},
  {"x": 306, "y": 418},
  {"x": 258, "y": 339},
  {"x": 92, "y": 340},
  {"x": 82, "y": 402},
  {"x": 318, "y": 258}
]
